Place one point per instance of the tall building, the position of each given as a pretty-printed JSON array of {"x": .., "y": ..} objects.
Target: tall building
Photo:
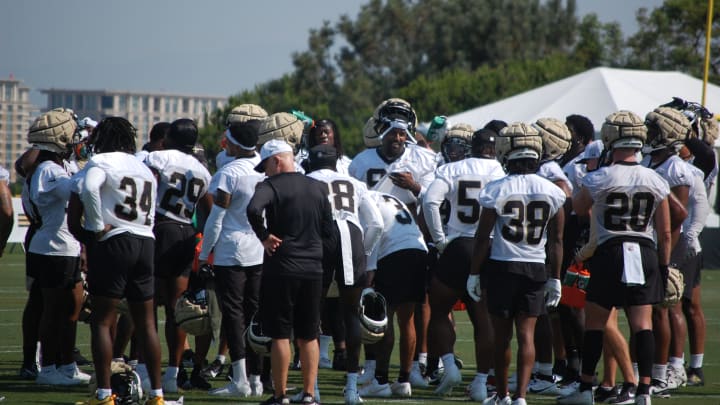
[
  {"x": 16, "y": 115},
  {"x": 142, "y": 109}
]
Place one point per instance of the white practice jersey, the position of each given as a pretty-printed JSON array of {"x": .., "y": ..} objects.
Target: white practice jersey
[
  {"x": 625, "y": 197},
  {"x": 118, "y": 190},
  {"x": 698, "y": 209},
  {"x": 182, "y": 181},
  {"x": 369, "y": 167},
  {"x": 344, "y": 193},
  {"x": 524, "y": 203},
  {"x": 400, "y": 231},
  {"x": 342, "y": 165},
  {"x": 4, "y": 176},
  {"x": 552, "y": 171},
  {"x": 674, "y": 170},
  {"x": 236, "y": 244},
  {"x": 48, "y": 196},
  {"x": 574, "y": 172},
  {"x": 460, "y": 183}
]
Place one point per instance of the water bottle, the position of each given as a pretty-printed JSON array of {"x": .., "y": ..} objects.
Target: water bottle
[{"x": 437, "y": 128}]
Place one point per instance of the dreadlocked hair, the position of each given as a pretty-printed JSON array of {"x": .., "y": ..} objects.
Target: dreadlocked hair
[{"x": 115, "y": 134}]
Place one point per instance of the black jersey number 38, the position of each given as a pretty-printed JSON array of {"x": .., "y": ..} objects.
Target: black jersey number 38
[{"x": 526, "y": 221}]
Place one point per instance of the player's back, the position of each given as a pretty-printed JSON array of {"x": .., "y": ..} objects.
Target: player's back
[
  {"x": 182, "y": 181},
  {"x": 625, "y": 197},
  {"x": 524, "y": 203}
]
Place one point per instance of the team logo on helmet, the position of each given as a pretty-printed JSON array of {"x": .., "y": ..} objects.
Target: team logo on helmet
[
  {"x": 623, "y": 129},
  {"x": 395, "y": 114},
  {"x": 373, "y": 316},
  {"x": 518, "y": 141}
]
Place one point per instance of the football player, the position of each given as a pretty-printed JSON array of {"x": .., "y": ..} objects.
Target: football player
[
  {"x": 629, "y": 210},
  {"x": 397, "y": 267},
  {"x": 53, "y": 254},
  {"x": 405, "y": 168},
  {"x": 524, "y": 211},
  {"x": 460, "y": 183},
  {"x": 347, "y": 272},
  {"x": 6, "y": 209},
  {"x": 182, "y": 188},
  {"x": 238, "y": 254},
  {"x": 118, "y": 196},
  {"x": 241, "y": 113},
  {"x": 667, "y": 130}
]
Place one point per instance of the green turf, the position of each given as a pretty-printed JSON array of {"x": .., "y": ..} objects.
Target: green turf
[{"x": 16, "y": 391}]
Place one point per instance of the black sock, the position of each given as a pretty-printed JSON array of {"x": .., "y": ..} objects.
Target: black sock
[
  {"x": 643, "y": 389},
  {"x": 644, "y": 352},
  {"x": 381, "y": 378},
  {"x": 404, "y": 376},
  {"x": 592, "y": 349}
]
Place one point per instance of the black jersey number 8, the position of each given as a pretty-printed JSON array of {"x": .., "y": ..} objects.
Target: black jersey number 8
[
  {"x": 527, "y": 222},
  {"x": 191, "y": 189},
  {"x": 128, "y": 209},
  {"x": 342, "y": 195},
  {"x": 624, "y": 212}
]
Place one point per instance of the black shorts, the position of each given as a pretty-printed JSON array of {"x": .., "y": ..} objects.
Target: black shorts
[
  {"x": 53, "y": 271},
  {"x": 400, "y": 277},
  {"x": 606, "y": 270},
  {"x": 453, "y": 266},
  {"x": 174, "y": 249},
  {"x": 510, "y": 292},
  {"x": 290, "y": 305},
  {"x": 122, "y": 267},
  {"x": 333, "y": 269}
]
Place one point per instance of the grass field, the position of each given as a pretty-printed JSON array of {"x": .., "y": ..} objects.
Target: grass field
[{"x": 17, "y": 391}]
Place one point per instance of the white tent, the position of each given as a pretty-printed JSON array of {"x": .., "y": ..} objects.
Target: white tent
[{"x": 595, "y": 94}]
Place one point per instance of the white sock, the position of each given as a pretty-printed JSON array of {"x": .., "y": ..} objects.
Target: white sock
[
  {"x": 636, "y": 371},
  {"x": 239, "y": 373},
  {"x": 254, "y": 379},
  {"x": 171, "y": 372},
  {"x": 351, "y": 381},
  {"x": 103, "y": 393},
  {"x": 50, "y": 368},
  {"x": 422, "y": 358},
  {"x": 535, "y": 367},
  {"x": 156, "y": 393},
  {"x": 325, "y": 346},
  {"x": 676, "y": 362},
  {"x": 448, "y": 360},
  {"x": 545, "y": 369},
  {"x": 659, "y": 372},
  {"x": 221, "y": 358},
  {"x": 481, "y": 377},
  {"x": 370, "y": 365},
  {"x": 696, "y": 360}
]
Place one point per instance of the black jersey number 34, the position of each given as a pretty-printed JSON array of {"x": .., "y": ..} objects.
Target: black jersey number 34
[{"x": 128, "y": 210}]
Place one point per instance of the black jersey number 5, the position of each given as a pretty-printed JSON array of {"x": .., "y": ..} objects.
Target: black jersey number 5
[
  {"x": 463, "y": 200},
  {"x": 128, "y": 210},
  {"x": 526, "y": 222}
]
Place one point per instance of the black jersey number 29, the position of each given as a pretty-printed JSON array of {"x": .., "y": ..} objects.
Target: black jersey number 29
[
  {"x": 190, "y": 188},
  {"x": 128, "y": 210},
  {"x": 527, "y": 222}
]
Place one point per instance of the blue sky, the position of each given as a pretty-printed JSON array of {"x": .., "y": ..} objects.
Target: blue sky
[{"x": 213, "y": 47}]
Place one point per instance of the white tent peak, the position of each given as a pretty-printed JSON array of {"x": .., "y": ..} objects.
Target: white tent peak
[{"x": 595, "y": 93}]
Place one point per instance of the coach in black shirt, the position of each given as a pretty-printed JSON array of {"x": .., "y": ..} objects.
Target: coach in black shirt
[{"x": 299, "y": 224}]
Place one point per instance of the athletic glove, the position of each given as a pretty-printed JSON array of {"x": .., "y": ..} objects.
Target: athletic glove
[
  {"x": 440, "y": 246},
  {"x": 473, "y": 287},
  {"x": 552, "y": 292}
]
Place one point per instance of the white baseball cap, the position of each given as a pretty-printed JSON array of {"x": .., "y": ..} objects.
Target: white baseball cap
[
  {"x": 272, "y": 148},
  {"x": 592, "y": 151}
]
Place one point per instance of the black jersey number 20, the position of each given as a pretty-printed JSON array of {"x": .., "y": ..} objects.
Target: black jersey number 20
[
  {"x": 526, "y": 222},
  {"x": 128, "y": 210},
  {"x": 626, "y": 213}
]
